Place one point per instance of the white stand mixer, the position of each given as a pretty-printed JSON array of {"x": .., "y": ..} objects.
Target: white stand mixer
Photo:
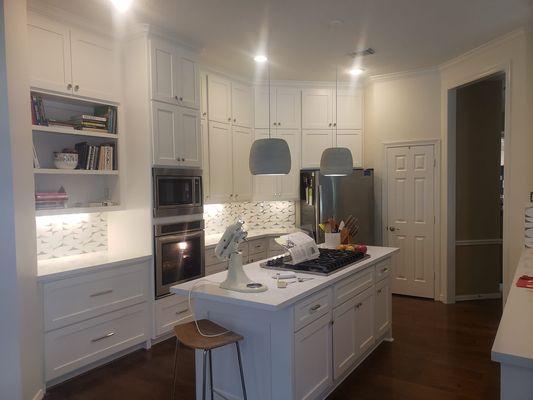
[{"x": 227, "y": 249}]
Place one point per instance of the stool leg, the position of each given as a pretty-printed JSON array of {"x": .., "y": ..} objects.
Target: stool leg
[
  {"x": 211, "y": 375},
  {"x": 240, "y": 369},
  {"x": 175, "y": 369},
  {"x": 204, "y": 379}
]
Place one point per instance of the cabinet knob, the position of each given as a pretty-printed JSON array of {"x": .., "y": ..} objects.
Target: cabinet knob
[
  {"x": 181, "y": 98},
  {"x": 229, "y": 119},
  {"x": 329, "y": 124},
  {"x": 176, "y": 97},
  {"x": 274, "y": 124},
  {"x": 183, "y": 159},
  {"x": 279, "y": 123},
  {"x": 234, "y": 119},
  {"x": 231, "y": 195},
  {"x": 76, "y": 87},
  {"x": 69, "y": 86},
  {"x": 204, "y": 113},
  {"x": 334, "y": 124}
]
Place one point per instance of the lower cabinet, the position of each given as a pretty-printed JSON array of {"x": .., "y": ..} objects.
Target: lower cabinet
[
  {"x": 171, "y": 311},
  {"x": 383, "y": 307}
]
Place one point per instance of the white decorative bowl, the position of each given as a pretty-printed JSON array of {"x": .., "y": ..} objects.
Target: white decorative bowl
[{"x": 65, "y": 160}]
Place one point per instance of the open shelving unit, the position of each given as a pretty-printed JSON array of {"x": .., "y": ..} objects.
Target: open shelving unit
[{"x": 85, "y": 187}]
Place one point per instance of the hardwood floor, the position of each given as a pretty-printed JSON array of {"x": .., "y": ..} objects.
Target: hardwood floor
[{"x": 439, "y": 352}]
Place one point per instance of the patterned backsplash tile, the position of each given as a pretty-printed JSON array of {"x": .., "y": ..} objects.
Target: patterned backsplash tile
[
  {"x": 68, "y": 235},
  {"x": 256, "y": 215}
]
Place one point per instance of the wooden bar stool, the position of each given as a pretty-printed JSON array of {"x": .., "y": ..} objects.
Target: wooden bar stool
[{"x": 189, "y": 336}]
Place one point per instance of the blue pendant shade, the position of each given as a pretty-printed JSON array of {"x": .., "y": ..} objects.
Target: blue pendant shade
[
  {"x": 336, "y": 161},
  {"x": 270, "y": 156}
]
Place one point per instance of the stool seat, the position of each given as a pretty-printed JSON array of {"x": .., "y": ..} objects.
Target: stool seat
[{"x": 189, "y": 336}]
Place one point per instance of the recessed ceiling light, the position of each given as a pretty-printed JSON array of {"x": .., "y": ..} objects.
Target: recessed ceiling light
[
  {"x": 122, "y": 5},
  {"x": 260, "y": 58},
  {"x": 356, "y": 71}
]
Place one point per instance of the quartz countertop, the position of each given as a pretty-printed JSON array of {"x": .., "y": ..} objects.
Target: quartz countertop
[
  {"x": 212, "y": 240},
  {"x": 66, "y": 267},
  {"x": 274, "y": 298},
  {"x": 514, "y": 340}
]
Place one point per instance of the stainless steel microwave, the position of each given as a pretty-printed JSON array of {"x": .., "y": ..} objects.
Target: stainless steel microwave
[{"x": 177, "y": 192}]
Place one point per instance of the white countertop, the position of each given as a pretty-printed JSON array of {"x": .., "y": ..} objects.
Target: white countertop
[
  {"x": 274, "y": 298},
  {"x": 212, "y": 240},
  {"x": 66, "y": 267},
  {"x": 514, "y": 340}
]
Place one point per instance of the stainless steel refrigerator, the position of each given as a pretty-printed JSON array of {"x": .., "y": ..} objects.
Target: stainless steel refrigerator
[{"x": 323, "y": 197}]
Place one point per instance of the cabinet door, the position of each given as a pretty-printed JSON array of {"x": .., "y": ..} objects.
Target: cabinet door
[
  {"x": 317, "y": 108},
  {"x": 345, "y": 346},
  {"x": 265, "y": 187},
  {"x": 349, "y": 109},
  {"x": 353, "y": 140},
  {"x": 364, "y": 321},
  {"x": 289, "y": 185},
  {"x": 313, "y": 355},
  {"x": 205, "y": 159},
  {"x": 189, "y": 139},
  {"x": 220, "y": 162},
  {"x": 241, "y": 105},
  {"x": 383, "y": 307},
  {"x": 186, "y": 82},
  {"x": 261, "y": 107},
  {"x": 288, "y": 108},
  {"x": 163, "y": 69},
  {"x": 49, "y": 55},
  {"x": 314, "y": 142},
  {"x": 165, "y": 120},
  {"x": 203, "y": 95},
  {"x": 242, "y": 178},
  {"x": 94, "y": 66},
  {"x": 218, "y": 99}
]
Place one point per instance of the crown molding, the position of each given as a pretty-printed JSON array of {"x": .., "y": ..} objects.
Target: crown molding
[{"x": 403, "y": 74}]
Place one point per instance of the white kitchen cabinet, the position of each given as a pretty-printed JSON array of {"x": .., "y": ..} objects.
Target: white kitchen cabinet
[
  {"x": 313, "y": 357},
  {"x": 353, "y": 140},
  {"x": 219, "y": 99},
  {"x": 365, "y": 321},
  {"x": 171, "y": 311},
  {"x": 189, "y": 138},
  {"x": 203, "y": 95},
  {"x": 349, "y": 113},
  {"x": 220, "y": 162},
  {"x": 345, "y": 346},
  {"x": 241, "y": 105},
  {"x": 187, "y": 84},
  {"x": 242, "y": 178},
  {"x": 314, "y": 142},
  {"x": 285, "y": 107},
  {"x": 261, "y": 107},
  {"x": 383, "y": 308},
  {"x": 204, "y": 133},
  {"x": 317, "y": 108}
]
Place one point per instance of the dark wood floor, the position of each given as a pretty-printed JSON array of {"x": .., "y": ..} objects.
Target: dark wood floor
[{"x": 439, "y": 352}]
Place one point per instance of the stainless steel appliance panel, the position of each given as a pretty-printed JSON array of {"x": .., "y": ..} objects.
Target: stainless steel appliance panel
[{"x": 177, "y": 192}]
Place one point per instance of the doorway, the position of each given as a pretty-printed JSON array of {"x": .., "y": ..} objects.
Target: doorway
[{"x": 479, "y": 183}]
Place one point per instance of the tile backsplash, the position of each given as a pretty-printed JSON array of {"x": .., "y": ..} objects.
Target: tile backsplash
[
  {"x": 68, "y": 235},
  {"x": 256, "y": 215}
]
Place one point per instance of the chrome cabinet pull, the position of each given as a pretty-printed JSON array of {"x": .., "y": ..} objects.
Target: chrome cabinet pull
[
  {"x": 181, "y": 98},
  {"x": 229, "y": 119},
  {"x": 384, "y": 270},
  {"x": 182, "y": 311},
  {"x": 329, "y": 124},
  {"x": 315, "y": 307},
  {"x": 101, "y": 293},
  {"x": 108, "y": 335},
  {"x": 204, "y": 113},
  {"x": 358, "y": 305}
]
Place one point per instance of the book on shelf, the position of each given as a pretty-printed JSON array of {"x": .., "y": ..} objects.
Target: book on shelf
[
  {"x": 110, "y": 113},
  {"x": 36, "y": 163},
  {"x": 96, "y": 157},
  {"x": 38, "y": 116},
  {"x": 51, "y": 200}
]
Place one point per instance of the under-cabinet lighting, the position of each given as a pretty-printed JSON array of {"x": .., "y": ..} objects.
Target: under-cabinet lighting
[
  {"x": 58, "y": 220},
  {"x": 260, "y": 58}
]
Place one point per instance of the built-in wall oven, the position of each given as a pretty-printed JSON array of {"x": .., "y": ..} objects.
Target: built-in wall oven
[
  {"x": 177, "y": 192},
  {"x": 179, "y": 254}
]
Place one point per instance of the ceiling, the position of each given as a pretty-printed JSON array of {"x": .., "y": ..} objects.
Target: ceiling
[{"x": 303, "y": 44}]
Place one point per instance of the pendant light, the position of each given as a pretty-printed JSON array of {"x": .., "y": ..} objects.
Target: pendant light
[
  {"x": 270, "y": 156},
  {"x": 336, "y": 161}
]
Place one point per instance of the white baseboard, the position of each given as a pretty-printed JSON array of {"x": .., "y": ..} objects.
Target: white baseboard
[
  {"x": 482, "y": 296},
  {"x": 39, "y": 395}
]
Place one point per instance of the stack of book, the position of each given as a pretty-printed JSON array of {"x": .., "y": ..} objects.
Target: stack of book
[
  {"x": 37, "y": 110},
  {"x": 89, "y": 122},
  {"x": 110, "y": 114},
  {"x": 51, "y": 200},
  {"x": 96, "y": 157}
]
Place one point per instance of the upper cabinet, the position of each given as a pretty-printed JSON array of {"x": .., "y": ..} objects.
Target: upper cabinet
[
  {"x": 174, "y": 74},
  {"x": 285, "y": 107},
  {"x": 203, "y": 95},
  {"x": 229, "y": 102},
  {"x": 317, "y": 108},
  {"x": 69, "y": 61},
  {"x": 241, "y": 105}
]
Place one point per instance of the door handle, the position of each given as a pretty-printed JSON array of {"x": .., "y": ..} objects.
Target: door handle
[{"x": 393, "y": 228}]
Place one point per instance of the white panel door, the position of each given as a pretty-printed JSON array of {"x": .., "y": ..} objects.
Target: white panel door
[
  {"x": 349, "y": 109},
  {"x": 313, "y": 355},
  {"x": 353, "y": 140},
  {"x": 186, "y": 82},
  {"x": 242, "y": 177},
  {"x": 163, "y": 65},
  {"x": 364, "y": 321},
  {"x": 288, "y": 108},
  {"x": 219, "y": 99},
  {"x": 49, "y": 55},
  {"x": 220, "y": 162},
  {"x": 189, "y": 139},
  {"x": 345, "y": 346},
  {"x": 288, "y": 185},
  {"x": 314, "y": 142},
  {"x": 261, "y": 107},
  {"x": 203, "y": 95},
  {"x": 317, "y": 108},
  {"x": 241, "y": 105},
  {"x": 265, "y": 187},
  {"x": 165, "y": 121},
  {"x": 410, "y": 216},
  {"x": 205, "y": 159},
  {"x": 95, "y": 62},
  {"x": 383, "y": 307}
]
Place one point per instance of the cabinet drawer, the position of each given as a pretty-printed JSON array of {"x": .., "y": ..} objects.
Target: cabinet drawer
[
  {"x": 171, "y": 311},
  {"x": 75, "y": 346},
  {"x": 383, "y": 269},
  {"x": 216, "y": 268},
  {"x": 352, "y": 286},
  {"x": 257, "y": 257},
  {"x": 210, "y": 257},
  {"x": 311, "y": 308},
  {"x": 72, "y": 300},
  {"x": 257, "y": 246}
]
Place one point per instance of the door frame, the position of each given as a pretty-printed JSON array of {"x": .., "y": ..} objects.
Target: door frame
[{"x": 436, "y": 143}]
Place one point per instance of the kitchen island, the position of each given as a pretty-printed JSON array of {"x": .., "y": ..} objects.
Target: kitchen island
[{"x": 302, "y": 341}]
